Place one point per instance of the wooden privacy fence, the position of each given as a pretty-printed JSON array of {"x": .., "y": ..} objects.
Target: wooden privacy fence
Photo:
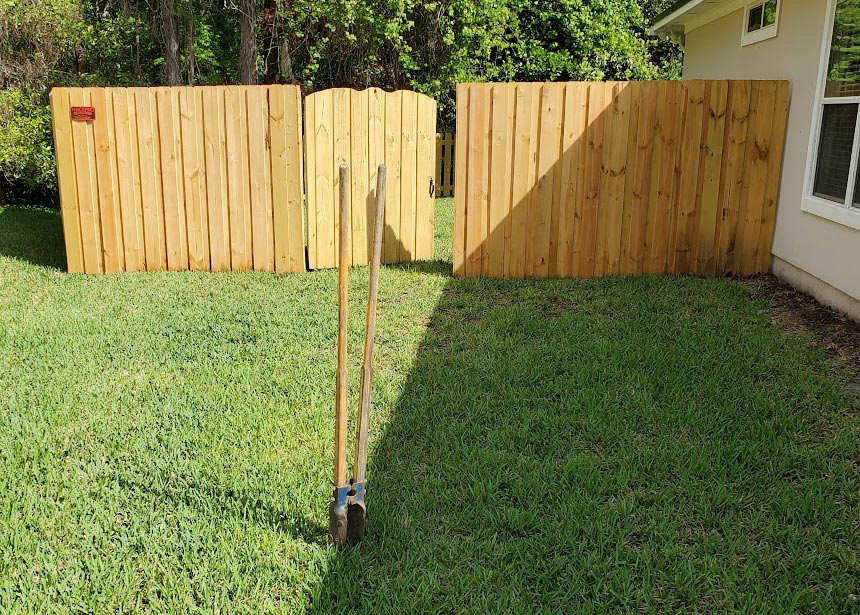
[
  {"x": 180, "y": 178},
  {"x": 593, "y": 179},
  {"x": 445, "y": 164},
  {"x": 365, "y": 129}
]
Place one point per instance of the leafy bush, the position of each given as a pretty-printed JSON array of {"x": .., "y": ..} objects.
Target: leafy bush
[{"x": 26, "y": 148}]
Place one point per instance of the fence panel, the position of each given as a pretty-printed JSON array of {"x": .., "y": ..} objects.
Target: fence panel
[
  {"x": 618, "y": 178},
  {"x": 364, "y": 129},
  {"x": 180, "y": 178},
  {"x": 445, "y": 164}
]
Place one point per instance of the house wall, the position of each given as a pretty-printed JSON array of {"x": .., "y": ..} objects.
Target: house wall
[{"x": 819, "y": 247}]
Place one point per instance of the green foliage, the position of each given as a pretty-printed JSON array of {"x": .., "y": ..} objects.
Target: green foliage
[
  {"x": 426, "y": 45},
  {"x": 26, "y": 148},
  {"x": 845, "y": 51}
]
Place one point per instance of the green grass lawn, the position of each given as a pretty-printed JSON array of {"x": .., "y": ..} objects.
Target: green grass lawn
[{"x": 537, "y": 446}]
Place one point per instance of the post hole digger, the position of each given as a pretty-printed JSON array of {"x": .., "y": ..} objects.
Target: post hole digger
[{"x": 347, "y": 511}]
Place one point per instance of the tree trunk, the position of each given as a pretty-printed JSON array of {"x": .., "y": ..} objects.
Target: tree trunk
[
  {"x": 248, "y": 41},
  {"x": 270, "y": 41},
  {"x": 173, "y": 70}
]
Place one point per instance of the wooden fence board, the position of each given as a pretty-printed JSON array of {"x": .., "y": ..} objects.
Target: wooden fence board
[
  {"x": 425, "y": 208},
  {"x": 617, "y": 178},
  {"x": 444, "y": 175},
  {"x": 461, "y": 180},
  {"x": 66, "y": 168},
  {"x": 174, "y": 178},
  {"x": 128, "y": 175},
  {"x": 107, "y": 183}
]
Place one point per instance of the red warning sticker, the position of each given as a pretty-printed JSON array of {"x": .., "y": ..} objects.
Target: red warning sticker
[{"x": 83, "y": 114}]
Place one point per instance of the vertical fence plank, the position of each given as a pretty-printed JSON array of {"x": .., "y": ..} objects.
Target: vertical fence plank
[
  {"x": 170, "y": 137},
  {"x": 626, "y": 265},
  {"x": 478, "y": 171},
  {"x": 66, "y": 166},
  {"x": 733, "y": 254},
  {"x": 217, "y": 196},
  {"x": 294, "y": 185},
  {"x": 731, "y": 181},
  {"x": 280, "y": 185},
  {"x": 128, "y": 176},
  {"x": 359, "y": 175},
  {"x": 448, "y": 164},
  {"x": 681, "y": 257},
  {"x": 408, "y": 162},
  {"x": 713, "y": 153},
  {"x": 755, "y": 188},
  {"x": 585, "y": 239},
  {"x": 425, "y": 208},
  {"x": 376, "y": 103},
  {"x": 150, "y": 179},
  {"x": 461, "y": 180},
  {"x": 774, "y": 175},
  {"x": 110, "y": 216},
  {"x": 194, "y": 177},
  {"x": 340, "y": 126},
  {"x": 235, "y": 114},
  {"x": 610, "y": 222},
  {"x": 324, "y": 182},
  {"x": 573, "y": 166},
  {"x": 500, "y": 190},
  {"x": 85, "y": 179},
  {"x": 545, "y": 195},
  {"x": 260, "y": 183},
  {"x": 393, "y": 137},
  {"x": 310, "y": 155},
  {"x": 641, "y": 188}
]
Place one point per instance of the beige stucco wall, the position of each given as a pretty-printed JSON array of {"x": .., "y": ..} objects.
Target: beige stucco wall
[{"x": 827, "y": 250}]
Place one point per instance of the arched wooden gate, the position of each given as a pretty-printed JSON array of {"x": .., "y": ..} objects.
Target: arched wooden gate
[{"x": 365, "y": 129}]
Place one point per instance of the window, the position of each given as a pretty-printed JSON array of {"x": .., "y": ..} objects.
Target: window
[
  {"x": 833, "y": 189},
  {"x": 761, "y": 21}
]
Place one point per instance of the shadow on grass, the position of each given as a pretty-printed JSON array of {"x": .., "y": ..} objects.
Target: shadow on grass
[
  {"x": 599, "y": 447},
  {"x": 33, "y": 234}
]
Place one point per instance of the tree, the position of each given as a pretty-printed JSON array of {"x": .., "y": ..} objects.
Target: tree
[
  {"x": 248, "y": 41},
  {"x": 170, "y": 27}
]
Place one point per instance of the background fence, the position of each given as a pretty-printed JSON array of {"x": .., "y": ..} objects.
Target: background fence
[
  {"x": 180, "y": 178},
  {"x": 445, "y": 164},
  {"x": 364, "y": 129},
  {"x": 593, "y": 179}
]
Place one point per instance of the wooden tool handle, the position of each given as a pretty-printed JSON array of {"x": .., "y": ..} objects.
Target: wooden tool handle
[
  {"x": 340, "y": 428},
  {"x": 370, "y": 331}
]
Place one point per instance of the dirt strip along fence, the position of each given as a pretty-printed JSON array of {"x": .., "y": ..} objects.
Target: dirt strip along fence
[
  {"x": 365, "y": 129},
  {"x": 204, "y": 178},
  {"x": 445, "y": 164},
  {"x": 596, "y": 179}
]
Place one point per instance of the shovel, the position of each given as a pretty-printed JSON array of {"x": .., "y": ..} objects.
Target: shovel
[{"x": 347, "y": 511}]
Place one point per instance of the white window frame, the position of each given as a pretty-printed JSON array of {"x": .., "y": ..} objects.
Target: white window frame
[
  {"x": 762, "y": 34},
  {"x": 840, "y": 213}
]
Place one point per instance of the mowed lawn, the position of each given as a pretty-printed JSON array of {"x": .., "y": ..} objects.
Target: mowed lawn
[{"x": 623, "y": 445}]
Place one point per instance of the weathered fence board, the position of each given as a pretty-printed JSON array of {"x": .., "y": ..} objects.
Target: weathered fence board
[
  {"x": 365, "y": 129},
  {"x": 618, "y": 178},
  {"x": 445, "y": 164},
  {"x": 181, "y": 178}
]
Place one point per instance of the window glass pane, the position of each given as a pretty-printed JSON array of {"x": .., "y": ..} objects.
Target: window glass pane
[
  {"x": 770, "y": 12},
  {"x": 834, "y": 152},
  {"x": 843, "y": 70},
  {"x": 856, "y": 201},
  {"x": 754, "y": 22}
]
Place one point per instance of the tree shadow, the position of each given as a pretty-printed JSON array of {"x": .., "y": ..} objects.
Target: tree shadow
[
  {"x": 34, "y": 235},
  {"x": 589, "y": 446}
]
